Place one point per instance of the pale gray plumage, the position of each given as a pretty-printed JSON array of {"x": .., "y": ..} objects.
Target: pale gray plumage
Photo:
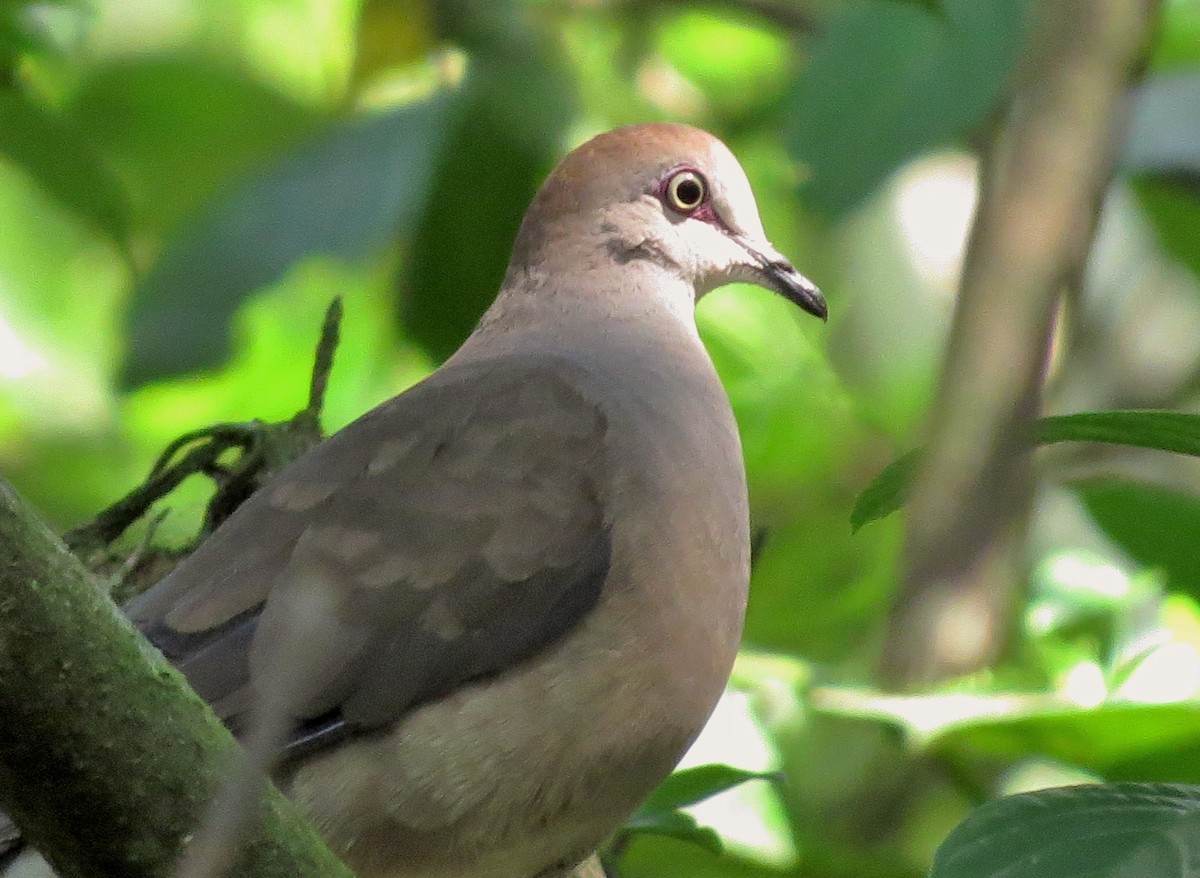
[{"x": 535, "y": 562}]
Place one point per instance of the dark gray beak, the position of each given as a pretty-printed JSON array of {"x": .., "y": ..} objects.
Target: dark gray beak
[
  {"x": 781, "y": 276},
  {"x": 795, "y": 287}
]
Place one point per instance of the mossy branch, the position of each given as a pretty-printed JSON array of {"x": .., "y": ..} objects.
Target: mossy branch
[{"x": 107, "y": 758}]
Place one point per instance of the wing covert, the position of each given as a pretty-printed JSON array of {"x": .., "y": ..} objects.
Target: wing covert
[{"x": 458, "y": 529}]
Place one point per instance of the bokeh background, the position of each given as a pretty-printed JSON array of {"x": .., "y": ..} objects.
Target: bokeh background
[{"x": 186, "y": 184}]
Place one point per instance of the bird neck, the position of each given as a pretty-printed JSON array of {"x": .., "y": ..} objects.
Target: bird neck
[{"x": 599, "y": 289}]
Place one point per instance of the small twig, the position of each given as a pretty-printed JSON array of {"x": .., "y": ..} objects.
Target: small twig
[
  {"x": 227, "y": 435},
  {"x": 113, "y": 521},
  {"x": 326, "y": 348},
  {"x": 265, "y": 448},
  {"x": 122, "y": 573}
]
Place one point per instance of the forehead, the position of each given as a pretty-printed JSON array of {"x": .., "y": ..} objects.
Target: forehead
[
  {"x": 645, "y": 152},
  {"x": 621, "y": 164}
]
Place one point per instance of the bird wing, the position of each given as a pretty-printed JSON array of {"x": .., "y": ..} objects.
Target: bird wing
[{"x": 451, "y": 532}]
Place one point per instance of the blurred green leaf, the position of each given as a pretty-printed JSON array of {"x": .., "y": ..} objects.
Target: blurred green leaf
[
  {"x": 1103, "y": 831},
  {"x": 888, "y": 81},
  {"x": 660, "y": 814},
  {"x": 51, "y": 150},
  {"x": 744, "y": 65},
  {"x": 1012, "y": 725},
  {"x": 22, "y": 27},
  {"x": 1178, "y": 40},
  {"x": 179, "y": 128},
  {"x": 936, "y": 7},
  {"x": 692, "y": 785},
  {"x": 1174, "y": 209},
  {"x": 514, "y": 107},
  {"x": 888, "y": 491},
  {"x": 1094, "y": 738},
  {"x": 661, "y": 856},
  {"x": 344, "y": 193},
  {"x": 674, "y": 824},
  {"x": 1160, "y": 430},
  {"x": 1155, "y": 526}
]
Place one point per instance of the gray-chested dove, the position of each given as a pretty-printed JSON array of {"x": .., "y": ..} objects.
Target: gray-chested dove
[{"x": 529, "y": 571}]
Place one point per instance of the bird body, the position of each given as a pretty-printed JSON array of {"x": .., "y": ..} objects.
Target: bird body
[
  {"x": 532, "y": 768},
  {"x": 501, "y": 605}
]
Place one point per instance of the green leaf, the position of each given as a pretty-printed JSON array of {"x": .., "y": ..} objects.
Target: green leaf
[
  {"x": 1157, "y": 527},
  {"x": 934, "y": 7},
  {"x": 1013, "y": 725},
  {"x": 1161, "y": 430},
  {"x": 180, "y": 129},
  {"x": 1174, "y": 209},
  {"x": 744, "y": 66},
  {"x": 692, "y": 785},
  {"x": 56, "y": 155},
  {"x": 1177, "y": 43},
  {"x": 660, "y": 814},
  {"x": 344, "y": 193},
  {"x": 499, "y": 147},
  {"x": 888, "y": 491},
  {"x": 23, "y": 30},
  {"x": 675, "y": 824},
  {"x": 1104, "y": 831},
  {"x": 888, "y": 81}
]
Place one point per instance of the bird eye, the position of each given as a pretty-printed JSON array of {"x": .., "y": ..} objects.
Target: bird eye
[{"x": 686, "y": 191}]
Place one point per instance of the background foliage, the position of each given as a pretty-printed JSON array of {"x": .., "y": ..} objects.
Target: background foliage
[{"x": 185, "y": 185}]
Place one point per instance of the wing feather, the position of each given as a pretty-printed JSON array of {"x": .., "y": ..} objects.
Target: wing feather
[{"x": 457, "y": 530}]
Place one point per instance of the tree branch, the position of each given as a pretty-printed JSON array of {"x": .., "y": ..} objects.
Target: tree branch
[
  {"x": 106, "y": 756},
  {"x": 1041, "y": 187}
]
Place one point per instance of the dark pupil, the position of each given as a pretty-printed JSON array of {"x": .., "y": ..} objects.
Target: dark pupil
[{"x": 688, "y": 192}]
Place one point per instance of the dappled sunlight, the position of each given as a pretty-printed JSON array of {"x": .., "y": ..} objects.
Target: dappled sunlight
[
  {"x": 935, "y": 203},
  {"x": 1084, "y": 684},
  {"x": 17, "y": 359},
  {"x": 749, "y": 817},
  {"x": 1170, "y": 672}
]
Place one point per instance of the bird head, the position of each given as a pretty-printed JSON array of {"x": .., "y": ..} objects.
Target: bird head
[{"x": 668, "y": 194}]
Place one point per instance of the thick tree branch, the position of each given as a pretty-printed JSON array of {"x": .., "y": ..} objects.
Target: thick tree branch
[
  {"x": 1042, "y": 185},
  {"x": 106, "y": 756}
]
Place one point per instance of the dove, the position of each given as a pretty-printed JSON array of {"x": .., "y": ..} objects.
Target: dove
[{"x": 511, "y": 596}]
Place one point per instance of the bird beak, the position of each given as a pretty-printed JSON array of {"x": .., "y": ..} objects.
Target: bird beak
[{"x": 781, "y": 276}]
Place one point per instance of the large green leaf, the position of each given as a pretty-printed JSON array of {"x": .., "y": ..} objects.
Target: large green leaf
[
  {"x": 1104, "y": 831},
  {"x": 1012, "y": 725},
  {"x": 344, "y": 193},
  {"x": 888, "y": 81},
  {"x": 513, "y": 110},
  {"x": 179, "y": 129},
  {"x": 1160, "y": 430},
  {"x": 56, "y": 154},
  {"x": 1156, "y": 526},
  {"x": 674, "y": 824}
]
